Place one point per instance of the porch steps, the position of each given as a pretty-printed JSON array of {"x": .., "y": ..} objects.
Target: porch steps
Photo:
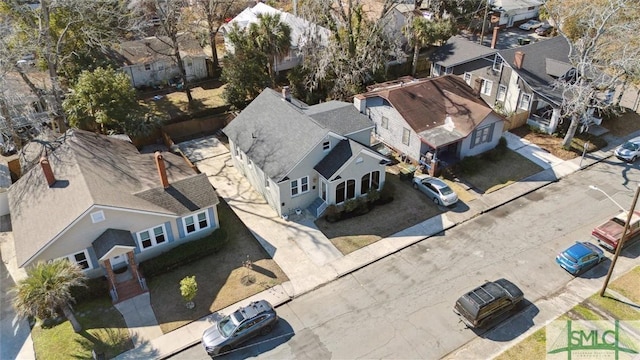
[
  {"x": 315, "y": 205},
  {"x": 129, "y": 289}
]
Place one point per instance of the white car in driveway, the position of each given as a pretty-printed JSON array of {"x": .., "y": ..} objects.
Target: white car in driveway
[
  {"x": 629, "y": 151},
  {"x": 530, "y": 25},
  {"x": 436, "y": 189}
]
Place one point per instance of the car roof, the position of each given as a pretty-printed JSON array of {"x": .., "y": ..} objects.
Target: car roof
[
  {"x": 580, "y": 249},
  {"x": 252, "y": 310},
  {"x": 433, "y": 180}
]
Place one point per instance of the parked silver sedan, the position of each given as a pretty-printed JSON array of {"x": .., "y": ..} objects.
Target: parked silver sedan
[{"x": 436, "y": 189}]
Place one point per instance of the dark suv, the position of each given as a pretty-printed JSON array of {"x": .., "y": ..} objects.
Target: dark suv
[
  {"x": 487, "y": 302},
  {"x": 257, "y": 318}
]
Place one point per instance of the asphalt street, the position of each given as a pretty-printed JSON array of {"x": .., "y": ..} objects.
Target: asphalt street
[{"x": 401, "y": 306}]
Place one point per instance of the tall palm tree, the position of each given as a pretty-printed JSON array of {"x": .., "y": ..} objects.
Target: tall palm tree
[
  {"x": 47, "y": 289},
  {"x": 421, "y": 32},
  {"x": 273, "y": 38}
]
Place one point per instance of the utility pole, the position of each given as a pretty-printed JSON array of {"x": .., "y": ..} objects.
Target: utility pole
[
  {"x": 484, "y": 20},
  {"x": 621, "y": 242}
]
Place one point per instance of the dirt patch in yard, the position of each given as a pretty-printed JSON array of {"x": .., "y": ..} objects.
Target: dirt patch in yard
[
  {"x": 409, "y": 207},
  {"x": 221, "y": 277}
]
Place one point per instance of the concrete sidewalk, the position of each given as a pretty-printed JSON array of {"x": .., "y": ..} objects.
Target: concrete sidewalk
[{"x": 310, "y": 260}]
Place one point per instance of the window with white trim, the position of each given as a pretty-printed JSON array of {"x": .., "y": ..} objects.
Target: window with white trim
[
  {"x": 405, "y": 136},
  {"x": 151, "y": 237},
  {"x": 299, "y": 186},
  {"x": 147, "y": 67},
  {"x": 525, "y": 101},
  {"x": 502, "y": 92},
  {"x": 486, "y": 87},
  {"x": 497, "y": 63},
  {"x": 81, "y": 259},
  {"x": 467, "y": 78},
  {"x": 482, "y": 135},
  {"x": 384, "y": 122},
  {"x": 97, "y": 216},
  {"x": 196, "y": 222}
]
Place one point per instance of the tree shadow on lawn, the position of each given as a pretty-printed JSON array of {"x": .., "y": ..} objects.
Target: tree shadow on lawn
[
  {"x": 219, "y": 277},
  {"x": 409, "y": 207}
]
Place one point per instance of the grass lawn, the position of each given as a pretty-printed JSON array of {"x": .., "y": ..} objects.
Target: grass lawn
[
  {"x": 494, "y": 173},
  {"x": 104, "y": 330},
  {"x": 594, "y": 308},
  {"x": 222, "y": 279},
  {"x": 175, "y": 104},
  {"x": 408, "y": 208}
]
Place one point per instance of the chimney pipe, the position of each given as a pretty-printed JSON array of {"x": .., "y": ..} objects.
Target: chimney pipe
[
  {"x": 162, "y": 171},
  {"x": 286, "y": 93},
  {"x": 48, "y": 173},
  {"x": 519, "y": 59},
  {"x": 494, "y": 39}
]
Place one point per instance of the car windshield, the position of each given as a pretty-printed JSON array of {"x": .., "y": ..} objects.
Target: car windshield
[
  {"x": 630, "y": 146},
  {"x": 226, "y": 326},
  {"x": 445, "y": 190},
  {"x": 569, "y": 257}
]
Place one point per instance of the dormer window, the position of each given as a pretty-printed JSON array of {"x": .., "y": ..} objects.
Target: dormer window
[{"x": 497, "y": 63}]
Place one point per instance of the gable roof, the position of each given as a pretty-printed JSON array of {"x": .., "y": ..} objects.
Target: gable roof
[
  {"x": 277, "y": 134},
  {"x": 299, "y": 26},
  {"x": 543, "y": 61},
  {"x": 97, "y": 170},
  {"x": 459, "y": 50},
  {"x": 340, "y": 155},
  {"x": 153, "y": 48},
  {"x": 429, "y": 104}
]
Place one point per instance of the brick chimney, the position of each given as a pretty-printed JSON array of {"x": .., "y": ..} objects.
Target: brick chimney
[
  {"x": 162, "y": 171},
  {"x": 286, "y": 93},
  {"x": 48, "y": 173},
  {"x": 494, "y": 39},
  {"x": 519, "y": 59}
]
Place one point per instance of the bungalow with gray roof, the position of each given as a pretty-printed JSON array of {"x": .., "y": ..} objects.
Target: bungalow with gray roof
[
  {"x": 98, "y": 202},
  {"x": 305, "y": 157},
  {"x": 151, "y": 61}
]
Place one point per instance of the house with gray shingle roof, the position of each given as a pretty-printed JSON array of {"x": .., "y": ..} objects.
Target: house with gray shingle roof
[
  {"x": 520, "y": 82},
  {"x": 98, "y": 202},
  {"x": 430, "y": 119},
  {"x": 305, "y": 157},
  {"x": 151, "y": 61}
]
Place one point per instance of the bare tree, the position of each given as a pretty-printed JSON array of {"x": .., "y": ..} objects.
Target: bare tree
[
  {"x": 173, "y": 27},
  {"x": 602, "y": 54},
  {"x": 214, "y": 13},
  {"x": 357, "y": 48}
]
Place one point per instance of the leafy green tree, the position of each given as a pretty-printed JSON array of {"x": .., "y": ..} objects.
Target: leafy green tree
[
  {"x": 273, "y": 39},
  {"x": 47, "y": 289},
  {"x": 244, "y": 70},
  {"x": 188, "y": 289},
  {"x": 104, "y": 100},
  {"x": 421, "y": 32}
]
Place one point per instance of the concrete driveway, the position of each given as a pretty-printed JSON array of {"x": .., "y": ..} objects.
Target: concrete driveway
[{"x": 297, "y": 245}]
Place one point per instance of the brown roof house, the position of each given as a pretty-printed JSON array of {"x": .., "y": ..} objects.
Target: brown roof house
[
  {"x": 151, "y": 61},
  {"x": 98, "y": 202},
  {"x": 428, "y": 119}
]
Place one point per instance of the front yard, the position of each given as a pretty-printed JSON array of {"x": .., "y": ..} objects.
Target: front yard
[
  {"x": 411, "y": 207},
  {"x": 222, "y": 281}
]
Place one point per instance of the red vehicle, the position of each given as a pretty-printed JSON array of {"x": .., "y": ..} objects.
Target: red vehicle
[{"x": 609, "y": 233}]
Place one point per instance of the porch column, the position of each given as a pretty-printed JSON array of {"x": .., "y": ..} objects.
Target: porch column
[
  {"x": 110, "y": 275},
  {"x": 555, "y": 118},
  {"x": 132, "y": 265},
  {"x": 433, "y": 169}
]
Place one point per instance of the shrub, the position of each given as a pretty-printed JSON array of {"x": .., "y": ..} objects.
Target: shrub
[
  {"x": 95, "y": 289},
  {"x": 386, "y": 194},
  {"x": 373, "y": 195},
  {"x": 185, "y": 253},
  {"x": 363, "y": 206},
  {"x": 350, "y": 205},
  {"x": 332, "y": 214},
  {"x": 188, "y": 288}
]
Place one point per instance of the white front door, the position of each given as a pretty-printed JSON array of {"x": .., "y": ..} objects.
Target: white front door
[{"x": 117, "y": 260}]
